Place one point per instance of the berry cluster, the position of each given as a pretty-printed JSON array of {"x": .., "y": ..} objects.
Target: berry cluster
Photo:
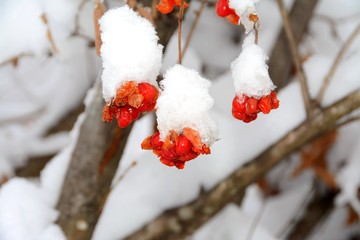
[
  {"x": 246, "y": 108},
  {"x": 176, "y": 149},
  {"x": 166, "y": 6},
  {"x": 223, "y": 10},
  {"x": 131, "y": 100}
]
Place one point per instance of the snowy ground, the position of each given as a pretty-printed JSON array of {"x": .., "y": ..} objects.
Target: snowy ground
[{"x": 47, "y": 83}]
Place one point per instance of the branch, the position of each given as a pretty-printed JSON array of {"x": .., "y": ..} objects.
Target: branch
[
  {"x": 194, "y": 25},
  {"x": 296, "y": 58},
  {"x": 336, "y": 63},
  {"x": 86, "y": 188},
  {"x": 185, "y": 220},
  {"x": 317, "y": 210},
  {"x": 280, "y": 60}
]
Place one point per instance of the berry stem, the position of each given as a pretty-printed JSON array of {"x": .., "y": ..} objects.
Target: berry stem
[
  {"x": 256, "y": 29},
  {"x": 181, "y": 14}
]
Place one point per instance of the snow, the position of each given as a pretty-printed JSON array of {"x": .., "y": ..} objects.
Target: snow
[
  {"x": 130, "y": 50},
  {"x": 30, "y": 37},
  {"x": 250, "y": 72},
  {"x": 348, "y": 180},
  {"x": 184, "y": 103},
  {"x": 34, "y": 217},
  {"x": 244, "y": 8}
]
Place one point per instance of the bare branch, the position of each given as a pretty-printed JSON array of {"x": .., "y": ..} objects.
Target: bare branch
[
  {"x": 181, "y": 16},
  {"x": 194, "y": 25},
  {"x": 336, "y": 63},
  {"x": 174, "y": 224},
  {"x": 296, "y": 58},
  {"x": 99, "y": 10}
]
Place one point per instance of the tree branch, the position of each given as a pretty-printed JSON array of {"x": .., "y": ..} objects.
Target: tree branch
[
  {"x": 86, "y": 188},
  {"x": 296, "y": 58},
  {"x": 336, "y": 63},
  {"x": 175, "y": 224}
]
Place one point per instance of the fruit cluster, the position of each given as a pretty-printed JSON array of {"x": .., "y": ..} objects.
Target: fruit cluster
[
  {"x": 246, "y": 108},
  {"x": 166, "y": 6},
  {"x": 176, "y": 149},
  {"x": 223, "y": 10},
  {"x": 131, "y": 99}
]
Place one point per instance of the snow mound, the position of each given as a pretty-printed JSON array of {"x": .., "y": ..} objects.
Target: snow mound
[
  {"x": 185, "y": 102},
  {"x": 250, "y": 72},
  {"x": 130, "y": 50}
]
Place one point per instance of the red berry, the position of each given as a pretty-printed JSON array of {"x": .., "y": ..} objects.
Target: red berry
[
  {"x": 183, "y": 145},
  {"x": 265, "y": 105},
  {"x": 146, "y": 144},
  {"x": 238, "y": 115},
  {"x": 274, "y": 101},
  {"x": 179, "y": 164},
  {"x": 222, "y": 8},
  {"x": 251, "y": 106},
  {"x": 169, "y": 153},
  {"x": 233, "y": 18},
  {"x": 239, "y": 104},
  {"x": 126, "y": 115},
  {"x": 150, "y": 94},
  {"x": 250, "y": 118},
  {"x": 166, "y": 162},
  {"x": 165, "y": 6},
  {"x": 156, "y": 142}
]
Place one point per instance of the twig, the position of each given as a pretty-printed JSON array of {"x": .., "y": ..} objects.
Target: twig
[
  {"x": 49, "y": 35},
  {"x": 316, "y": 211},
  {"x": 256, "y": 221},
  {"x": 126, "y": 171},
  {"x": 181, "y": 15},
  {"x": 298, "y": 212},
  {"x": 296, "y": 58},
  {"x": 172, "y": 224},
  {"x": 336, "y": 63},
  {"x": 77, "y": 17},
  {"x": 99, "y": 10},
  {"x": 347, "y": 121},
  {"x": 194, "y": 25}
]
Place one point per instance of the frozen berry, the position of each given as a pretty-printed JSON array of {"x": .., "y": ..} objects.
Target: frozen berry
[{"x": 183, "y": 145}]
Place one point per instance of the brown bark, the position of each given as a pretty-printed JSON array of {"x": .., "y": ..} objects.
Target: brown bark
[
  {"x": 183, "y": 221},
  {"x": 95, "y": 159},
  {"x": 86, "y": 186}
]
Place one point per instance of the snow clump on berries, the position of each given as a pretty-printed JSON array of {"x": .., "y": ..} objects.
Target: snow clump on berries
[
  {"x": 250, "y": 71},
  {"x": 185, "y": 103},
  {"x": 244, "y": 8},
  {"x": 130, "y": 50}
]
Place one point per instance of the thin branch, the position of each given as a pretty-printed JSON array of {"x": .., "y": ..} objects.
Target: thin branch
[
  {"x": 336, "y": 63},
  {"x": 99, "y": 10},
  {"x": 181, "y": 15},
  {"x": 174, "y": 224},
  {"x": 126, "y": 171},
  {"x": 256, "y": 221},
  {"x": 194, "y": 25},
  {"x": 296, "y": 58},
  {"x": 347, "y": 121}
]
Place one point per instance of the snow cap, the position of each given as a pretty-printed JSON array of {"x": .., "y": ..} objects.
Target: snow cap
[
  {"x": 250, "y": 72},
  {"x": 244, "y": 8},
  {"x": 130, "y": 50},
  {"x": 185, "y": 102}
]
